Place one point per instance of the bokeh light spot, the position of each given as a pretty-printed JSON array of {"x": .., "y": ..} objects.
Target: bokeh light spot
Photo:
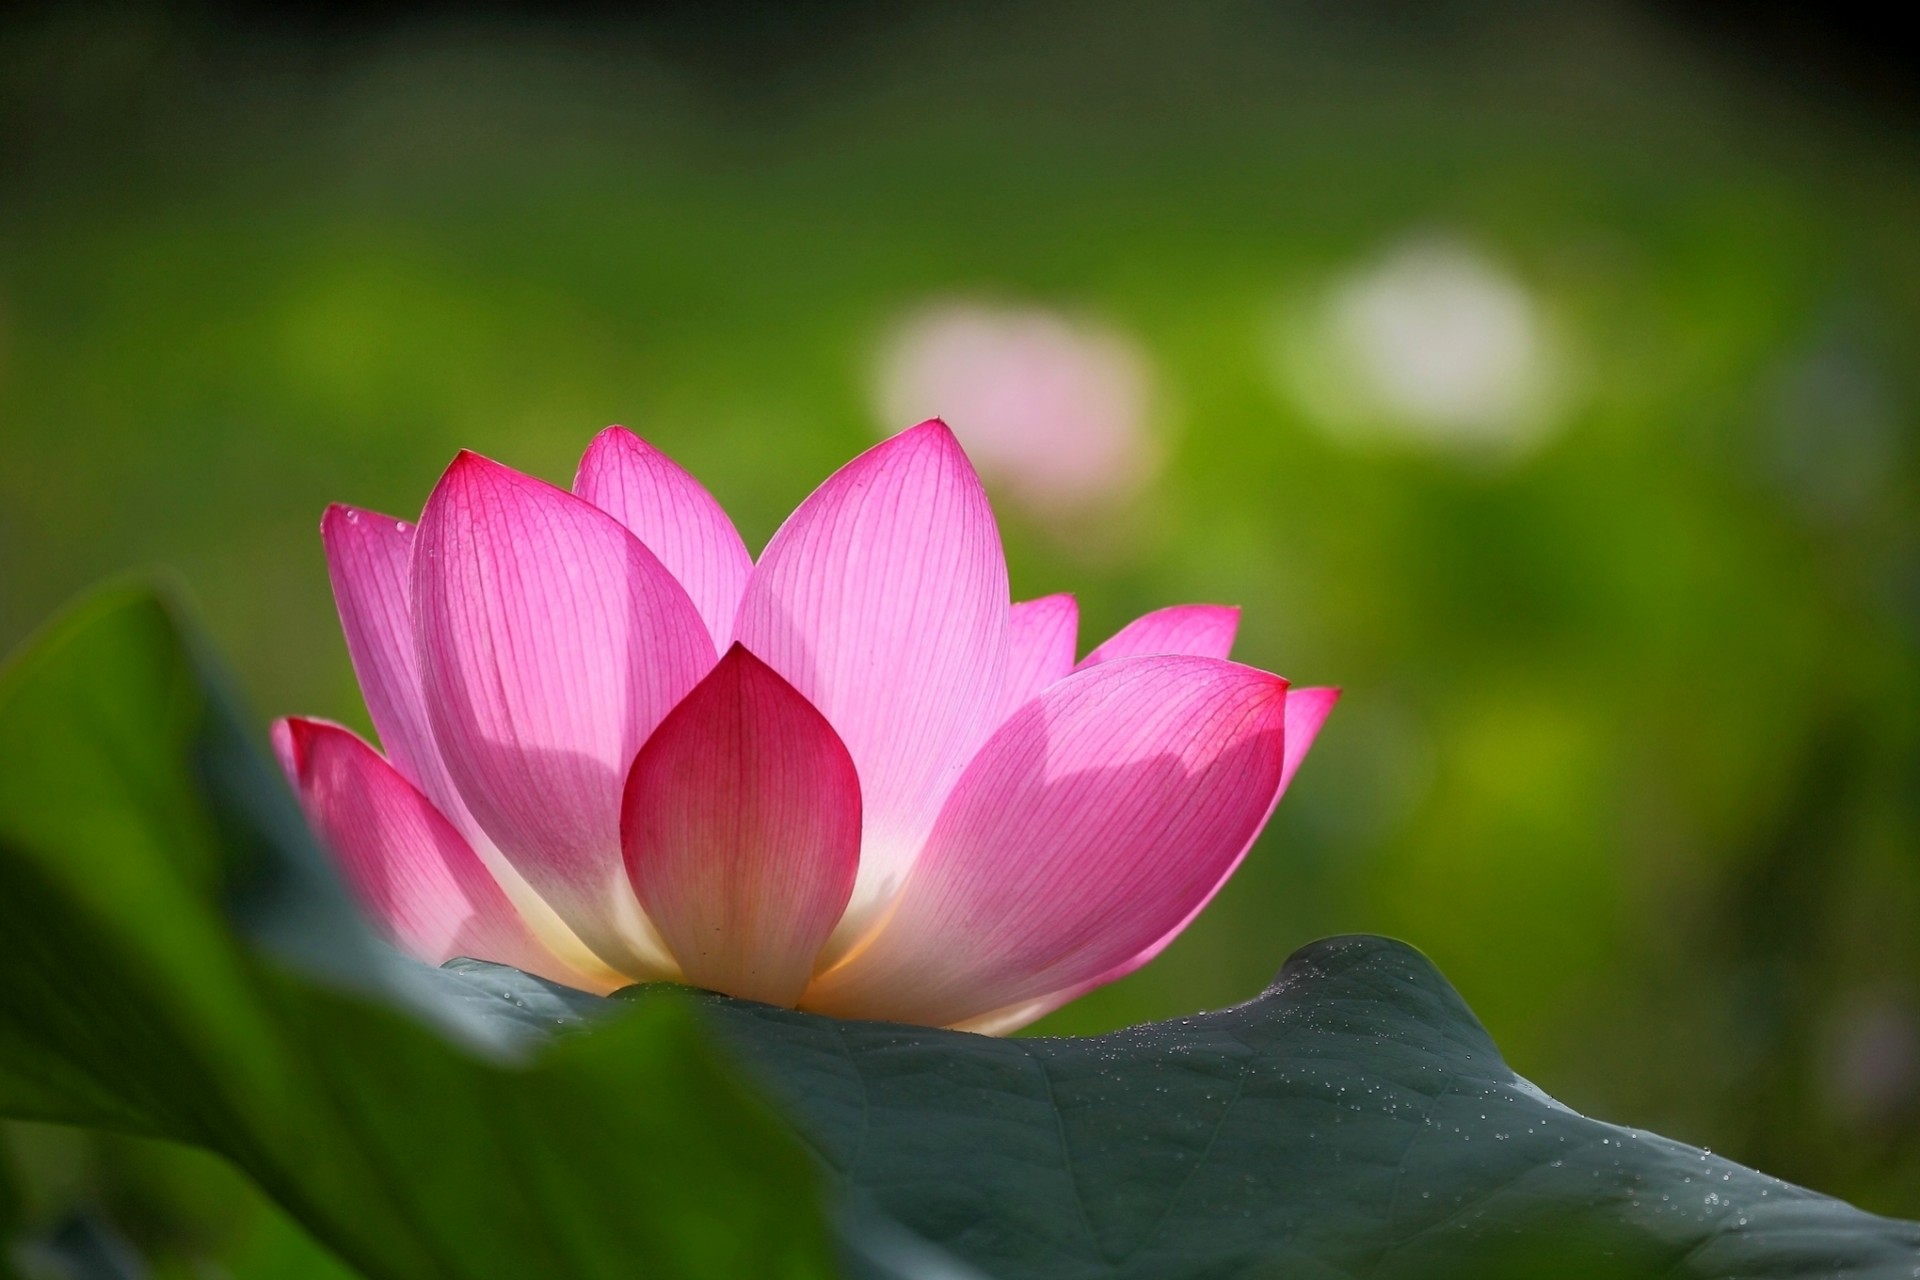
[{"x": 1433, "y": 343}]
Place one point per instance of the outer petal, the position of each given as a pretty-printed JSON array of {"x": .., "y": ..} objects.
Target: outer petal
[
  {"x": 368, "y": 559},
  {"x": 1094, "y": 821},
  {"x": 404, "y": 862},
  {"x": 1204, "y": 630},
  {"x": 1307, "y": 710},
  {"x": 883, "y": 600},
  {"x": 742, "y": 832},
  {"x": 679, "y": 521},
  {"x": 551, "y": 642},
  {"x": 1041, "y": 635}
]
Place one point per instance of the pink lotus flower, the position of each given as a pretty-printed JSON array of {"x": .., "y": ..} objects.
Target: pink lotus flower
[{"x": 850, "y": 778}]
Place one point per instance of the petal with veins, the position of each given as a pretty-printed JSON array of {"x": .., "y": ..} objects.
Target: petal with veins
[
  {"x": 551, "y": 642},
  {"x": 1203, "y": 630},
  {"x": 742, "y": 832},
  {"x": 406, "y": 865},
  {"x": 883, "y": 600},
  {"x": 1041, "y": 635},
  {"x": 1093, "y": 822},
  {"x": 368, "y": 558},
  {"x": 1307, "y": 710},
  {"x": 678, "y": 520}
]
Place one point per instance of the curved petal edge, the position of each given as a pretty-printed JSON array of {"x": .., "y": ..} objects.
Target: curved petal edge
[
  {"x": 1306, "y": 711},
  {"x": 1093, "y": 822},
  {"x": 406, "y": 865},
  {"x": 675, "y": 517},
  {"x": 551, "y": 643},
  {"x": 741, "y": 828},
  {"x": 1202, "y": 630},
  {"x": 883, "y": 600},
  {"x": 1041, "y": 635}
]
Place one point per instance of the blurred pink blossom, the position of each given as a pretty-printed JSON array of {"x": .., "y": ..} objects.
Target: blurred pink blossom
[
  {"x": 851, "y": 777},
  {"x": 1054, "y": 412}
]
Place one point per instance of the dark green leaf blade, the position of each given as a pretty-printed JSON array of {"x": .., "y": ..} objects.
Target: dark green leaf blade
[{"x": 1354, "y": 1120}]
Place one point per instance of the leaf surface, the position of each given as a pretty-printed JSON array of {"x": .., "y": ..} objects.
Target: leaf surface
[{"x": 1353, "y": 1120}]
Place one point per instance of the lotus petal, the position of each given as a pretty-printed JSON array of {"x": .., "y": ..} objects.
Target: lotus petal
[
  {"x": 368, "y": 560},
  {"x": 883, "y": 600},
  {"x": 742, "y": 832},
  {"x": 1041, "y": 635},
  {"x": 1203, "y": 630},
  {"x": 1306, "y": 711},
  {"x": 403, "y": 861},
  {"x": 551, "y": 643},
  {"x": 678, "y": 520},
  {"x": 1093, "y": 822}
]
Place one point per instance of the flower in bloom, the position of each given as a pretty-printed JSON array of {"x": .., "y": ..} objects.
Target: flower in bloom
[{"x": 850, "y": 777}]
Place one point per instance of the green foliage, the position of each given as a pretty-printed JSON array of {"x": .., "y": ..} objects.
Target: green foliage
[
  {"x": 177, "y": 1212},
  {"x": 136, "y": 828}
]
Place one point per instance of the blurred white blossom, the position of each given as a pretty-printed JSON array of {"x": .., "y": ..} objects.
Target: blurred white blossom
[
  {"x": 1052, "y": 410},
  {"x": 1433, "y": 343}
]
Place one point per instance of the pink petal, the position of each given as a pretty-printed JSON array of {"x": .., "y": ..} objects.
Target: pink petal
[
  {"x": 368, "y": 559},
  {"x": 1203, "y": 630},
  {"x": 1307, "y": 710},
  {"x": 742, "y": 832},
  {"x": 883, "y": 600},
  {"x": 405, "y": 863},
  {"x": 679, "y": 521},
  {"x": 551, "y": 642},
  {"x": 1094, "y": 821},
  {"x": 1041, "y": 635}
]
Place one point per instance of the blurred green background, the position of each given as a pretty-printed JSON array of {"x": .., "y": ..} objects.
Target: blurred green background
[{"x": 1621, "y": 575}]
